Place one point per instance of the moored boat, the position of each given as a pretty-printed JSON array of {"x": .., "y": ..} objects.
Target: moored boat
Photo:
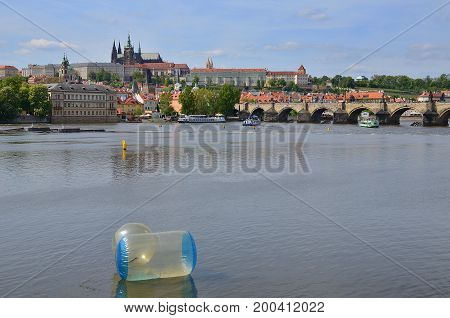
[
  {"x": 201, "y": 119},
  {"x": 368, "y": 121},
  {"x": 252, "y": 121}
]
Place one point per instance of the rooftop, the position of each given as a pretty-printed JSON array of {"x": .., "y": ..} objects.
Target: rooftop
[{"x": 79, "y": 88}]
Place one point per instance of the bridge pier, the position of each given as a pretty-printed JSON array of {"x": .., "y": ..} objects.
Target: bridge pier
[
  {"x": 340, "y": 116},
  {"x": 271, "y": 115},
  {"x": 304, "y": 116},
  {"x": 384, "y": 117},
  {"x": 243, "y": 115},
  {"x": 430, "y": 118}
]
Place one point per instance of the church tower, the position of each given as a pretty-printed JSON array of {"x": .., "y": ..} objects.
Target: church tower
[
  {"x": 114, "y": 53},
  {"x": 128, "y": 53},
  {"x": 209, "y": 63},
  {"x": 64, "y": 69},
  {"x": 119, "y": 49},
  {"x": 139, "y": 54}
]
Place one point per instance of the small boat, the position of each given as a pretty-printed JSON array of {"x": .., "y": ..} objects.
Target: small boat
[
  {"x": 368, "y": 121},
  {"x": 252, "y": 121},
  {"x": 201, "y": 119}
]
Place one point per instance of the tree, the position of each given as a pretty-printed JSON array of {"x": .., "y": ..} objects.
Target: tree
[
  {"x": 205, "y": 101},
  {"x": 138, "y": 76},
  {"x": 281, "y": 82},
  {"x": 272, "y": 82},
  {"x": 8, "y": 104},
  {"x": 24, "y": 102},
  {"x": 138, "y": 112},
  {"x": 187, "y": 101},
  {"x": 195, "y": 80},
  {"x": 165, "y": 104},
  {"x": 92, "y": 76},
  {"x": 227, "y": 98},
  {"x": 291, "y": 86},
  {"x": 39, "y": 101},
  {"x": 346, "y": 82}
]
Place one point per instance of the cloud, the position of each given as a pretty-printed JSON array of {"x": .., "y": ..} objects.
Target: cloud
[
  {"x": 314, "y": 14},
  {"x": 22, "y": 51},
  {"x": 429, "y": 51},
  {"x": 216, "y": 52},
  {"x": 47, "y": 44},
  {"x": 289, "y": 45}
]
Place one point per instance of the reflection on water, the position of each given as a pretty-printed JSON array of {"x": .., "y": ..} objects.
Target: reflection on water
[{"x": 177, "y": 287}]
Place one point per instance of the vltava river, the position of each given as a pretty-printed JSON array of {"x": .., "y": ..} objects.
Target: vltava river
[{"x": 369, "y": 219}]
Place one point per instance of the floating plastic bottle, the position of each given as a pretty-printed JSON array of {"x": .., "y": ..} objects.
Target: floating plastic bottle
[
  {"x": 129, "y": 228},
  {"x": 155, "y": 255}
]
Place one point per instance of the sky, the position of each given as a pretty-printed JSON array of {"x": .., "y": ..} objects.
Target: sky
[{"x": 326, "y": 36}]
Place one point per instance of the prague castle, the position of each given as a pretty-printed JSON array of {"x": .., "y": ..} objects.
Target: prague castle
[{"x": 129, "y": 57}]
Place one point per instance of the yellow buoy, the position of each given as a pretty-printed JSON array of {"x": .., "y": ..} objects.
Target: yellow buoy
[{"x": 124, "y": 144}]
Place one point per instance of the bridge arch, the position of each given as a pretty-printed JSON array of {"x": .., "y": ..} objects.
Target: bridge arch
[
  {"x": 354, "y": 114},
  {"x": 283, "y": 115},
  {"x": 444, "y": 116},
  {"x": 258, "y": 111},
  {"x": 316, "y": 115},
  {"x": 395, "y": 116}
]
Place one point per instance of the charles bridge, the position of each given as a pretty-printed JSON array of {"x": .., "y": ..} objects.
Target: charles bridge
[{"x": 433, "y": 113}]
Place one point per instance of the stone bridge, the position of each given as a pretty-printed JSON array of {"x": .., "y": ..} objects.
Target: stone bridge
[{"x": 433, "y": 114}]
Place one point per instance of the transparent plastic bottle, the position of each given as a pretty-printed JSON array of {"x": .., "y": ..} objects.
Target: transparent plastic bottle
[
  {"x": 155, "y": 255},
  {"x": 129, "y": 228}
]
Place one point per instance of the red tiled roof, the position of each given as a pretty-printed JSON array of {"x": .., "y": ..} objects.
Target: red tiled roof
[
  {"x": 365, "y": 95},
  {"x": 3, "y": 67},
  {"x": 128, "y": 101},
  {"x": 157, "y": 66},
  {"x": 282, "y": 73},
  {"x": 181, "y": 66}
]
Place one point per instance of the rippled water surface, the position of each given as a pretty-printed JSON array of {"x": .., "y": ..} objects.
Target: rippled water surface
[{"x": 376, "y": 222}]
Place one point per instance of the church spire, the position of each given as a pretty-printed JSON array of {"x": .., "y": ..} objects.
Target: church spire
[
  {"x": 139, "y": 50},
  {"x": 209, "y": 63},
  {"x": 114, "y": 53},
  {"x": 119, "y": 49},
  {"x": 129, "y": 40}
]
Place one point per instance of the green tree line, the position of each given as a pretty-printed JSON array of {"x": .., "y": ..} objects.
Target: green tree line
[
  {"x": 105, "y": 77},
  {"x": 399, "y": 82},
  {"x": 204, "y": 101},
  {"x": 17, "y": 96}
]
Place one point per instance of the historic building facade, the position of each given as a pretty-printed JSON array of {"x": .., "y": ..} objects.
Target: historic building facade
[
  {"x": 79, "y": 103},
  {"x": 8, "y": 71},
  {"x": 299, "y": 78},
  {"x": 249, "y": 77},
  {"x": 130, "y": 57}
]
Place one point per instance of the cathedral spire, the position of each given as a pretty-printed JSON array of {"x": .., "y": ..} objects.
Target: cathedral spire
[
  {"x": 139, "y": 50},
  {"x": 119, "y": 49},
  {"x": 209, "y": 63},
  {"x": 114, "y": 53},
  {"x": 129, "y": 40}
]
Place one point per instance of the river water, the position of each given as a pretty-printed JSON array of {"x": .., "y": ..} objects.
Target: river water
[{"x": 371, "y": 218}]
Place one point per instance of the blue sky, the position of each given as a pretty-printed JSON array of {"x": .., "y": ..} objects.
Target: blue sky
[{"x": 326, "y": 36}]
